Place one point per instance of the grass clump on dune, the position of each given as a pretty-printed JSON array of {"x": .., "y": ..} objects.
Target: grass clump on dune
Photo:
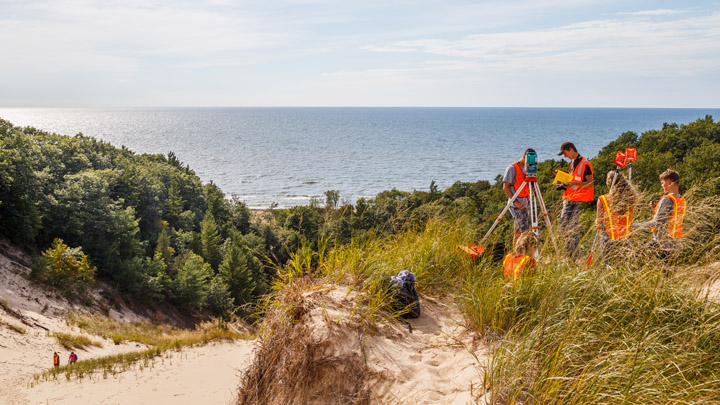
[{"x": 70, "y": 342}]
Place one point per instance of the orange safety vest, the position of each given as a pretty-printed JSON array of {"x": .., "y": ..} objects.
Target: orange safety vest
[
  {"x": 519, "y": 178},
  {"x": 513, "y": 265},
  {"x": 580, "y": 193},
  {"x": 56, "y": 359},
  {"x": 675, "y": 229},
  {"x": 616, "y": 226}
]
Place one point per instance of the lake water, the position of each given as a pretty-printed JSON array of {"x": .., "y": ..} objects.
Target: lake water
[{"x": 288, "y": 155}]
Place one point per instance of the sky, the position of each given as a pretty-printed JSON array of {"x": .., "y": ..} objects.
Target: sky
[{"x": 500, "y": 53}]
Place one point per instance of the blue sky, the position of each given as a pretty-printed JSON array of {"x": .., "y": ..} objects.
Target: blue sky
[{"x": 539, "y": 53}]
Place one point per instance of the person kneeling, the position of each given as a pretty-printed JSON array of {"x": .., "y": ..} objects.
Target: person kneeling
[{"x": 521, "y": 259}]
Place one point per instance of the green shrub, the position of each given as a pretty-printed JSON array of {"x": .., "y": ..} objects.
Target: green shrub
[{"x": 67, "y": 269}]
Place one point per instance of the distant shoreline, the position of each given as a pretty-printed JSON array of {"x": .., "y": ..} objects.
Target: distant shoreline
[{"x": 290, "y": 155}]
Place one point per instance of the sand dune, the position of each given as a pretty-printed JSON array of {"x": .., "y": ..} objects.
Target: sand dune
[
  {"x": 440, "y": 362},
  {"x": 204, "y": 374}
]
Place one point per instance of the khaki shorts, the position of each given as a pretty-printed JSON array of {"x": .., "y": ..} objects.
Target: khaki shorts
[{"x": 521, "y": 217}]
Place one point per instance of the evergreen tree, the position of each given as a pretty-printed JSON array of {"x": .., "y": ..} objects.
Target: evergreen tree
[
  {"x": 216, "y": 203},
  {"x": 210, "y": 240},
  {"x": 237, "y": 270},
  {"x": 173, "y": 204},
  {"x": 163, "y": 251},
  {"x": 219, "y": 300},
  {"x": 190, "y": 286}
]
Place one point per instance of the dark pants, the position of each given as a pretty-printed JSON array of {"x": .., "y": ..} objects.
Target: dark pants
[{"x": 570, "y": 227}]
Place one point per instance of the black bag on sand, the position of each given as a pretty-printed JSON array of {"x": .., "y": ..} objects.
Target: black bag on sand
[{"x": 406, "y": 297}]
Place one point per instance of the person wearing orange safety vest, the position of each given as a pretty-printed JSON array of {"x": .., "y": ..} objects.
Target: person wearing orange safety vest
[
  {"x": 577, "y": 191},
  {"x": 56, "y": 359},
  {"x": 520, "y": 261},
  {"x": 667, "y": 223},
  {"x": 512, "y": 180},
  {"x": 614, "y": 215}
]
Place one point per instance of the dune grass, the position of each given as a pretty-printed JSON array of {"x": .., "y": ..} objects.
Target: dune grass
[
  {"x": 71, "y": 342},
  {"x": 636, "y": 330},
  {"x": 8, "y": 309},
  {"x": 15, "y": 328}
]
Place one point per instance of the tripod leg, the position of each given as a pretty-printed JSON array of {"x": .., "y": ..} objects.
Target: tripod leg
[
  {"x": 507, "y": 207},
  {"x": 547, "y": 218},
  {"x": 534, "y": 211}
]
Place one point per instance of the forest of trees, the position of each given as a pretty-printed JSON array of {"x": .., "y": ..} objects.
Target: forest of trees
[{"x": 149, "y": 227}]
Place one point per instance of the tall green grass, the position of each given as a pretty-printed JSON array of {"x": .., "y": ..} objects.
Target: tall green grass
[
  {"x": 636, "y": 329},
  {"x": 604, "y": 335}
]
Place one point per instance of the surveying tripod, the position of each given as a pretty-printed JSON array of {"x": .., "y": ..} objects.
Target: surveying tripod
[{"x": 535, "y": 197}]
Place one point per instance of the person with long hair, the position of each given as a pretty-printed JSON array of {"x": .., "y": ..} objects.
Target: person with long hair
[
  {"x": 614, "y": 215},
  {"x": 521, "y": 260}
]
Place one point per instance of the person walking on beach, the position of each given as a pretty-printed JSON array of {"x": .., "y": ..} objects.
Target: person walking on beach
[
  {"x": 579, "y": 190},
  {"x": 667, "y": 223},
  {"x": 56, "y": 359},
  {"x": 72, "y": 359},
  {"x": 614, "y": 216},
  {"x": 514, "y": 177}
]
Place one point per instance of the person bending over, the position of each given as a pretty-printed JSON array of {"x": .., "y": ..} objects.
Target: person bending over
[{"x": 579, "y": 190}]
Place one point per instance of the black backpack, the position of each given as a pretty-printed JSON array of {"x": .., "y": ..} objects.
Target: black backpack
[{"x": 406, "y": 297}]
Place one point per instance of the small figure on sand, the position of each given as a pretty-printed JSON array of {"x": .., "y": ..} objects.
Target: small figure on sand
[
  {"x": 56, "y": 359},
  {"x": 72, "y": 359}
]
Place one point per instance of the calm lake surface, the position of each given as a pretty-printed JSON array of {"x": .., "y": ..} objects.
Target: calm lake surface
[{"x": 288, "y": 155}]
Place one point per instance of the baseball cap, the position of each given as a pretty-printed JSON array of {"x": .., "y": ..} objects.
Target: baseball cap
[{"x": 566, "y": 146}]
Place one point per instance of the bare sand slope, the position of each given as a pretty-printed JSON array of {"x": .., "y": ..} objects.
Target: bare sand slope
[
  {"x": 30, "y": 315},
  {"x": 198, "y": 375},
  {"x": 440, "y": 362}
]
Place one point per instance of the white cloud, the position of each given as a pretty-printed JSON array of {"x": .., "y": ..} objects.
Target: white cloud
[
  {"x": 111, "y": 37},
  {"x": 681, "y": 46},
  {"x": 654, "y": 12}
]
